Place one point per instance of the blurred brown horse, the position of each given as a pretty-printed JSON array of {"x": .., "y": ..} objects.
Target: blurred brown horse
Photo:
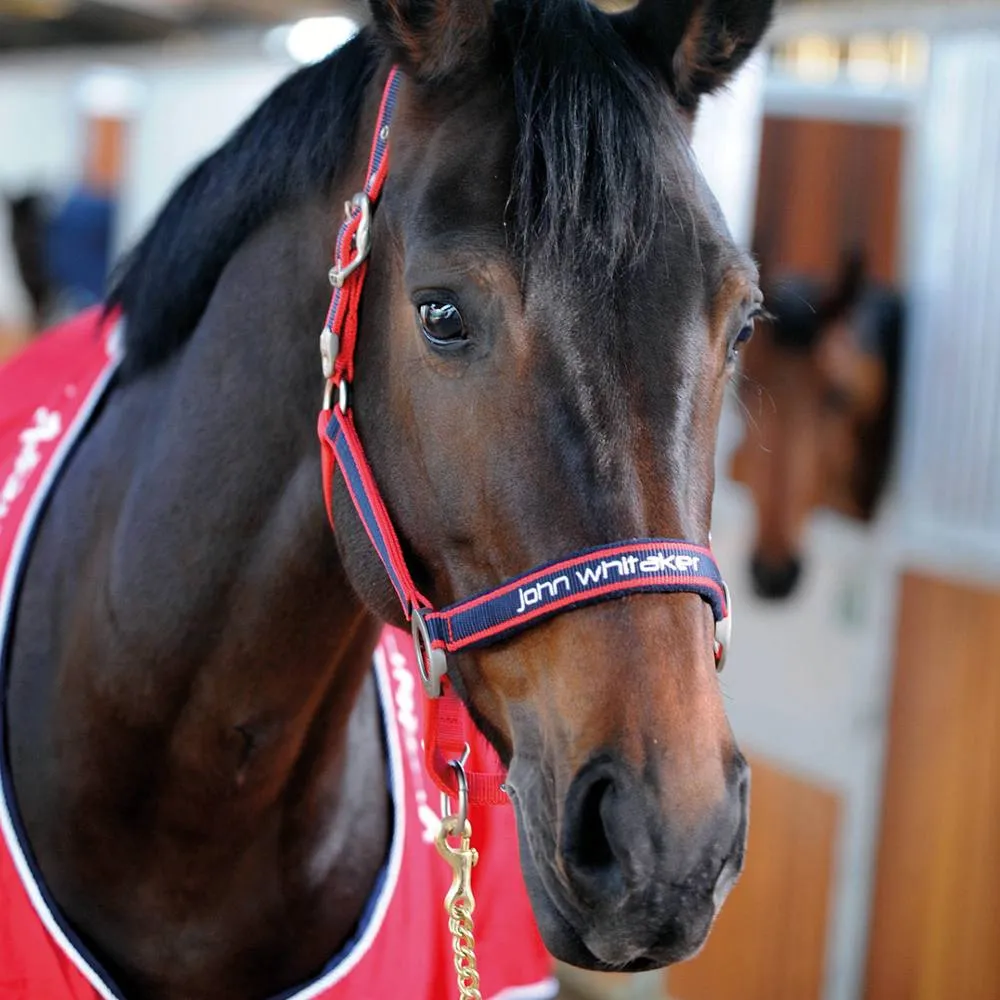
[
  {"x": 821, "y": 387},
  {"x": 26, "y": 232}
]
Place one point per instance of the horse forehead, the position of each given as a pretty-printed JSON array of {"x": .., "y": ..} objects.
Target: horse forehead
[
  {"x": 454, "y": 178},
  {"x": 438, "y": 144},
  {"x": 683, "y": 277}
]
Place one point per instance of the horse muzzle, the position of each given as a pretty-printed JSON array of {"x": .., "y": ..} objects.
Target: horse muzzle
[{"x": 623, "y": 886}]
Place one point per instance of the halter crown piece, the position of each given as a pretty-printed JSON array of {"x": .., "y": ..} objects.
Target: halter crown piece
[{"x": 633, "y": 566}]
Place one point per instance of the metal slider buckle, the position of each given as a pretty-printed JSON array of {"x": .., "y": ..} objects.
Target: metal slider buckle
[
  {"x": 329, "y": 348},
  {"x": 339, "y": 273}
]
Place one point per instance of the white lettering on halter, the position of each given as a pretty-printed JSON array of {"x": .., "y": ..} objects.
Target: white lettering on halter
[
  {"x": 542, "y": 591},
  {"x": 653, "y": 564},
  {"x": 607, "y": 570},
  {"x": 46, "y": 426}
]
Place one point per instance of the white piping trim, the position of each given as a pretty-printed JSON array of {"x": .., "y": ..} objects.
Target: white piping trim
[{"x": 17, "y": 554}]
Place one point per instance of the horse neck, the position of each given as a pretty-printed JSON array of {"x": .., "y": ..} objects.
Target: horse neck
[
  {"x": 220, "y": 609},
  {"x": 224, "y": 582},
  {"x": 223, "y": 530}
]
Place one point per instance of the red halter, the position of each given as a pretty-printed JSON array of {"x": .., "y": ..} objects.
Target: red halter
[{"x": 632, "y": 566}]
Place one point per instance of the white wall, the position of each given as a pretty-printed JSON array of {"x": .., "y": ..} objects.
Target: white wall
[
  {"x": 191, "y": 106},
  {"x": 951, "y": 458},
  {"x": 38, "y": 146},
  {"x": 192, "y": 96},
  {"x": 727, "y": 143}
]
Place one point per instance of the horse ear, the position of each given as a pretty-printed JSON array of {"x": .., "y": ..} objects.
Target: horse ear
[
  {"x": 697, "y": 45},
  {"x": 847, "y": 287},
  {"x": 434, "y": 40}
]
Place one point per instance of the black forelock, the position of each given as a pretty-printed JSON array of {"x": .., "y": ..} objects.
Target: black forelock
[{"x": 598, "y": 139}]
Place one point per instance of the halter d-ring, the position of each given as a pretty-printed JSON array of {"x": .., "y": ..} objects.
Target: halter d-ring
[
  {"x": 724, "y": 632},
  {"x": 432, "y": 663},
  {"x": 462, "y": 815}
]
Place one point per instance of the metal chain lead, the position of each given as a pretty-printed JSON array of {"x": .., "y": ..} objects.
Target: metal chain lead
[{"x": 459, "y": 902}]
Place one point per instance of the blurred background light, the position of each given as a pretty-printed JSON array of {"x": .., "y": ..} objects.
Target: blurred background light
[
  {"x": 109, "y": 92},
  {"x": 312, "y": 38}
]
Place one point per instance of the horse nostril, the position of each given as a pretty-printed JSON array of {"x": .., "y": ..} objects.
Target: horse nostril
[
  {"x": 593, "y": 849},
  {"x": 775, "y": 581},
  {"x": 605, "y": 839}
]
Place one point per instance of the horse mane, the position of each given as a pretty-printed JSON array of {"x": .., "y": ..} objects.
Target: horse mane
[
  {"x": 290, "y": 147},
  {"x": 597, "y": 139}
]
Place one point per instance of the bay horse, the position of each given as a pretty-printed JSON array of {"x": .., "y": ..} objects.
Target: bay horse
[
  {"x": 552, "y": 310},
  {"x": 821, "y": 385}
]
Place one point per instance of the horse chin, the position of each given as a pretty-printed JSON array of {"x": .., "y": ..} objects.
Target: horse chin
[{"x": 574, "y": 940}]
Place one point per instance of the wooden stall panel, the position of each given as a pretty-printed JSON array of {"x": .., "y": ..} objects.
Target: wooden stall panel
[
  {"x": 824, "y": 186},
  {"x": 935, "y": 931},
  {"x": 769, "y": 942}
]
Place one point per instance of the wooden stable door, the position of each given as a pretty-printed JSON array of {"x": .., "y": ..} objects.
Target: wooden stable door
[
  {"x": 935, "y": 925},
  {"x": 824, "y": 186}
]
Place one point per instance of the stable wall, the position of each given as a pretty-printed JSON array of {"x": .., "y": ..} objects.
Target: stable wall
[{"x": 190, "y": 97}]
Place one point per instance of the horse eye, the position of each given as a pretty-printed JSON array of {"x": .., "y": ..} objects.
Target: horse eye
[
  {"x": 742, "y": 337},
  {"x": 442, "y": 323}
]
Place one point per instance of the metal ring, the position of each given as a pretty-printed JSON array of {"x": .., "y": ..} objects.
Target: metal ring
[
  {"x": 432, "y": 663},
  {"x": 342, "y": 399},
  {"x": 724, "y": 632},
  {"x": 463, "y": 793}
]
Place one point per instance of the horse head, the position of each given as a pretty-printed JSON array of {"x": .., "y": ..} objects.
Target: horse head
[
  {"x": 820, "y": 384},
  {"x": 552, "y": 312}
]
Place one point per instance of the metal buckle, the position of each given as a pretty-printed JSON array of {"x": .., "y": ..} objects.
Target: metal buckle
[
  {"x": 433, "y": 663},
  {"x": 339, "y": 273},
  {"x": 329, "y": 348},
  {"x": 463, "y": 791},
  {"x": 724, "y": 632}
]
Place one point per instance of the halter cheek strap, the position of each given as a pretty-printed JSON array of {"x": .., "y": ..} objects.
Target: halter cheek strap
[{"x": 640, "y": 565}]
